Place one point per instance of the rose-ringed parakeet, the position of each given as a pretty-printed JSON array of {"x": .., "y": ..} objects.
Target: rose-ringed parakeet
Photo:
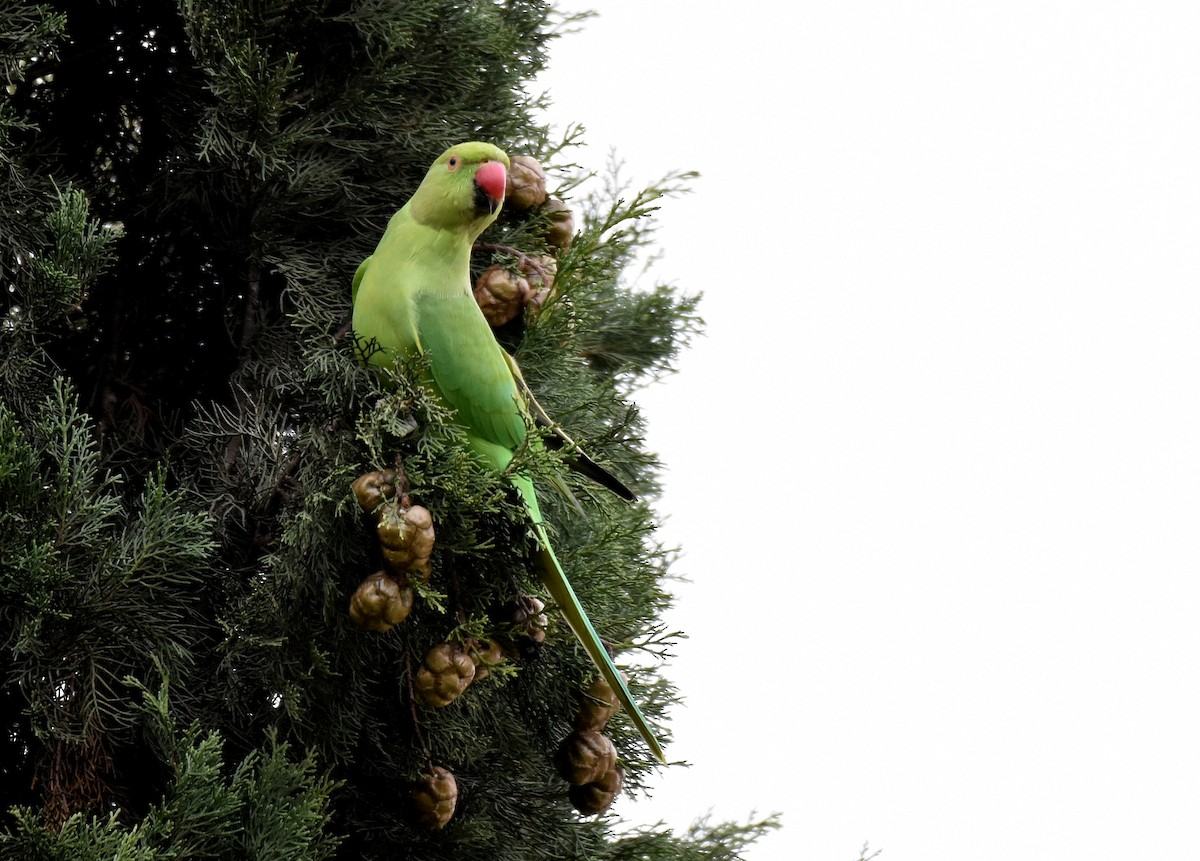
[{"x": 413, "y": 295}]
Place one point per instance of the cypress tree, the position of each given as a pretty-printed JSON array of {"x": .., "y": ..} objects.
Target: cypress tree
[{"x": 185, "y": 191}]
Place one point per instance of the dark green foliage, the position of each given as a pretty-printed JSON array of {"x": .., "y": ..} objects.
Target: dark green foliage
[
  {"x": 617, "y": 229},
  {"x": 185, "y": 192},
  {"x": 269, "y": 807}
]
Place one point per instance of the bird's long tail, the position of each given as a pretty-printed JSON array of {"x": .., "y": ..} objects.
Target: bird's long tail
[
  {"x": 555, "y": 580},
  {"x": 564, "y": 596}
]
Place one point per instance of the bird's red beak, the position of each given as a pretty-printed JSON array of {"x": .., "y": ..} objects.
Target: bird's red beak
[{"x": 491, "y": 177}]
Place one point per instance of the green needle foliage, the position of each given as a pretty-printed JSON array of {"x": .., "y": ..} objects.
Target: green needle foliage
[{"x": 186, "y": 189}]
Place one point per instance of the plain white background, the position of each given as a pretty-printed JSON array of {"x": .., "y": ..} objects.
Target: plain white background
[{"x": 934, "y": 467}]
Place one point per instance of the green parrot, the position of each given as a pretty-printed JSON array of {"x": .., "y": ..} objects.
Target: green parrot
[{"x": 413, "y": 296}]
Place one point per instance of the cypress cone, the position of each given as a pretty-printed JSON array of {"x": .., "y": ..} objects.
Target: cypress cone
[
  {"x": 380, "y": 603},
  {"x": 373, "y": 489},
  {"x": 433, "y": 797},
  {"x": 597, "y": 705},
  {"x": 406, "y": 539},
  {"x": 501, "y": 294},
  {"x": 597, "y": 796},
  {"x": 561, "y": 232},
  {"x": 444, "y": 675},
  {"x": 585, "y": 756},
  {"x": 540, "y": 272},
  {"x": 526, "y": 185},
  {"x": 525, "y": 615},
  {"x": 486, "y": 654}
]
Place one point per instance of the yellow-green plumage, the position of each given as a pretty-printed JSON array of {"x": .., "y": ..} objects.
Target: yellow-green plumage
[{"x": 413, "y": 295}]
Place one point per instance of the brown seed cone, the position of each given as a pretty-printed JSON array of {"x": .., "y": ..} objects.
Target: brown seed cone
[
  {"x": 526, "y": 186},
  {"x": 540, "y": 272},
  {"x": 373, "y": 489},
  {"x": 500, "y": 294},
  {"x": 597, "y": 796},
  {"x": 380, "y": 603},
  {"x": 434, "y": 797},
  {"x": 585, "y": 756},
  {"x": 561, "y": 232},
  {"x": 406, "y": 540},
  {"x": 597, "y": 705},
  {"x": 486, "y": 654},
  {"x": 444, "y": 675},
  {"x": 525, "y": 614}
]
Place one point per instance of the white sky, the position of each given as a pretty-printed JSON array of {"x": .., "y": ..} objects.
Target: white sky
[{"x": 935, "y": 465}]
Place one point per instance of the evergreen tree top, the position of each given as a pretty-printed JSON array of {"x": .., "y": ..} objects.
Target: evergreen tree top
[{"x": 186, "y": 190}]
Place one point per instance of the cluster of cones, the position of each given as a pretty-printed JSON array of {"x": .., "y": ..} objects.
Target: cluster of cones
[
  {"x": 405, "y": 533},
  {"x": 448, "y": 669},
  {"x": 587, "y": 759},
  {"x": 505, "y": 291},
  {"x": 451, "y": 667}
]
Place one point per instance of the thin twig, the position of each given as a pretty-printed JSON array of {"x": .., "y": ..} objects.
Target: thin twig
[
  {"x": 412, "y": 705},
  {"x": 524, "y": 261},
  {"x": 249, "y": 325}
]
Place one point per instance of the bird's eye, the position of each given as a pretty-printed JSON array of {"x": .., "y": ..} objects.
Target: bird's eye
[{"x": 453, "y": 163}]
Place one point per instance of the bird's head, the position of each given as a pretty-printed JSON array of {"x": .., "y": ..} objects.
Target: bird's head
[{"x": 464, "y": 188}]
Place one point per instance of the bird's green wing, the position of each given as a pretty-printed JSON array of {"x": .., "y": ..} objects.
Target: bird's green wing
[
  {"x": 358, "y": 277},
  {"x": 469, "y": 370}
]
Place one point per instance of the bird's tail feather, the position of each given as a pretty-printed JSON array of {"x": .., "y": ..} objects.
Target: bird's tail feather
[{"x": 562, "y": 593}]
